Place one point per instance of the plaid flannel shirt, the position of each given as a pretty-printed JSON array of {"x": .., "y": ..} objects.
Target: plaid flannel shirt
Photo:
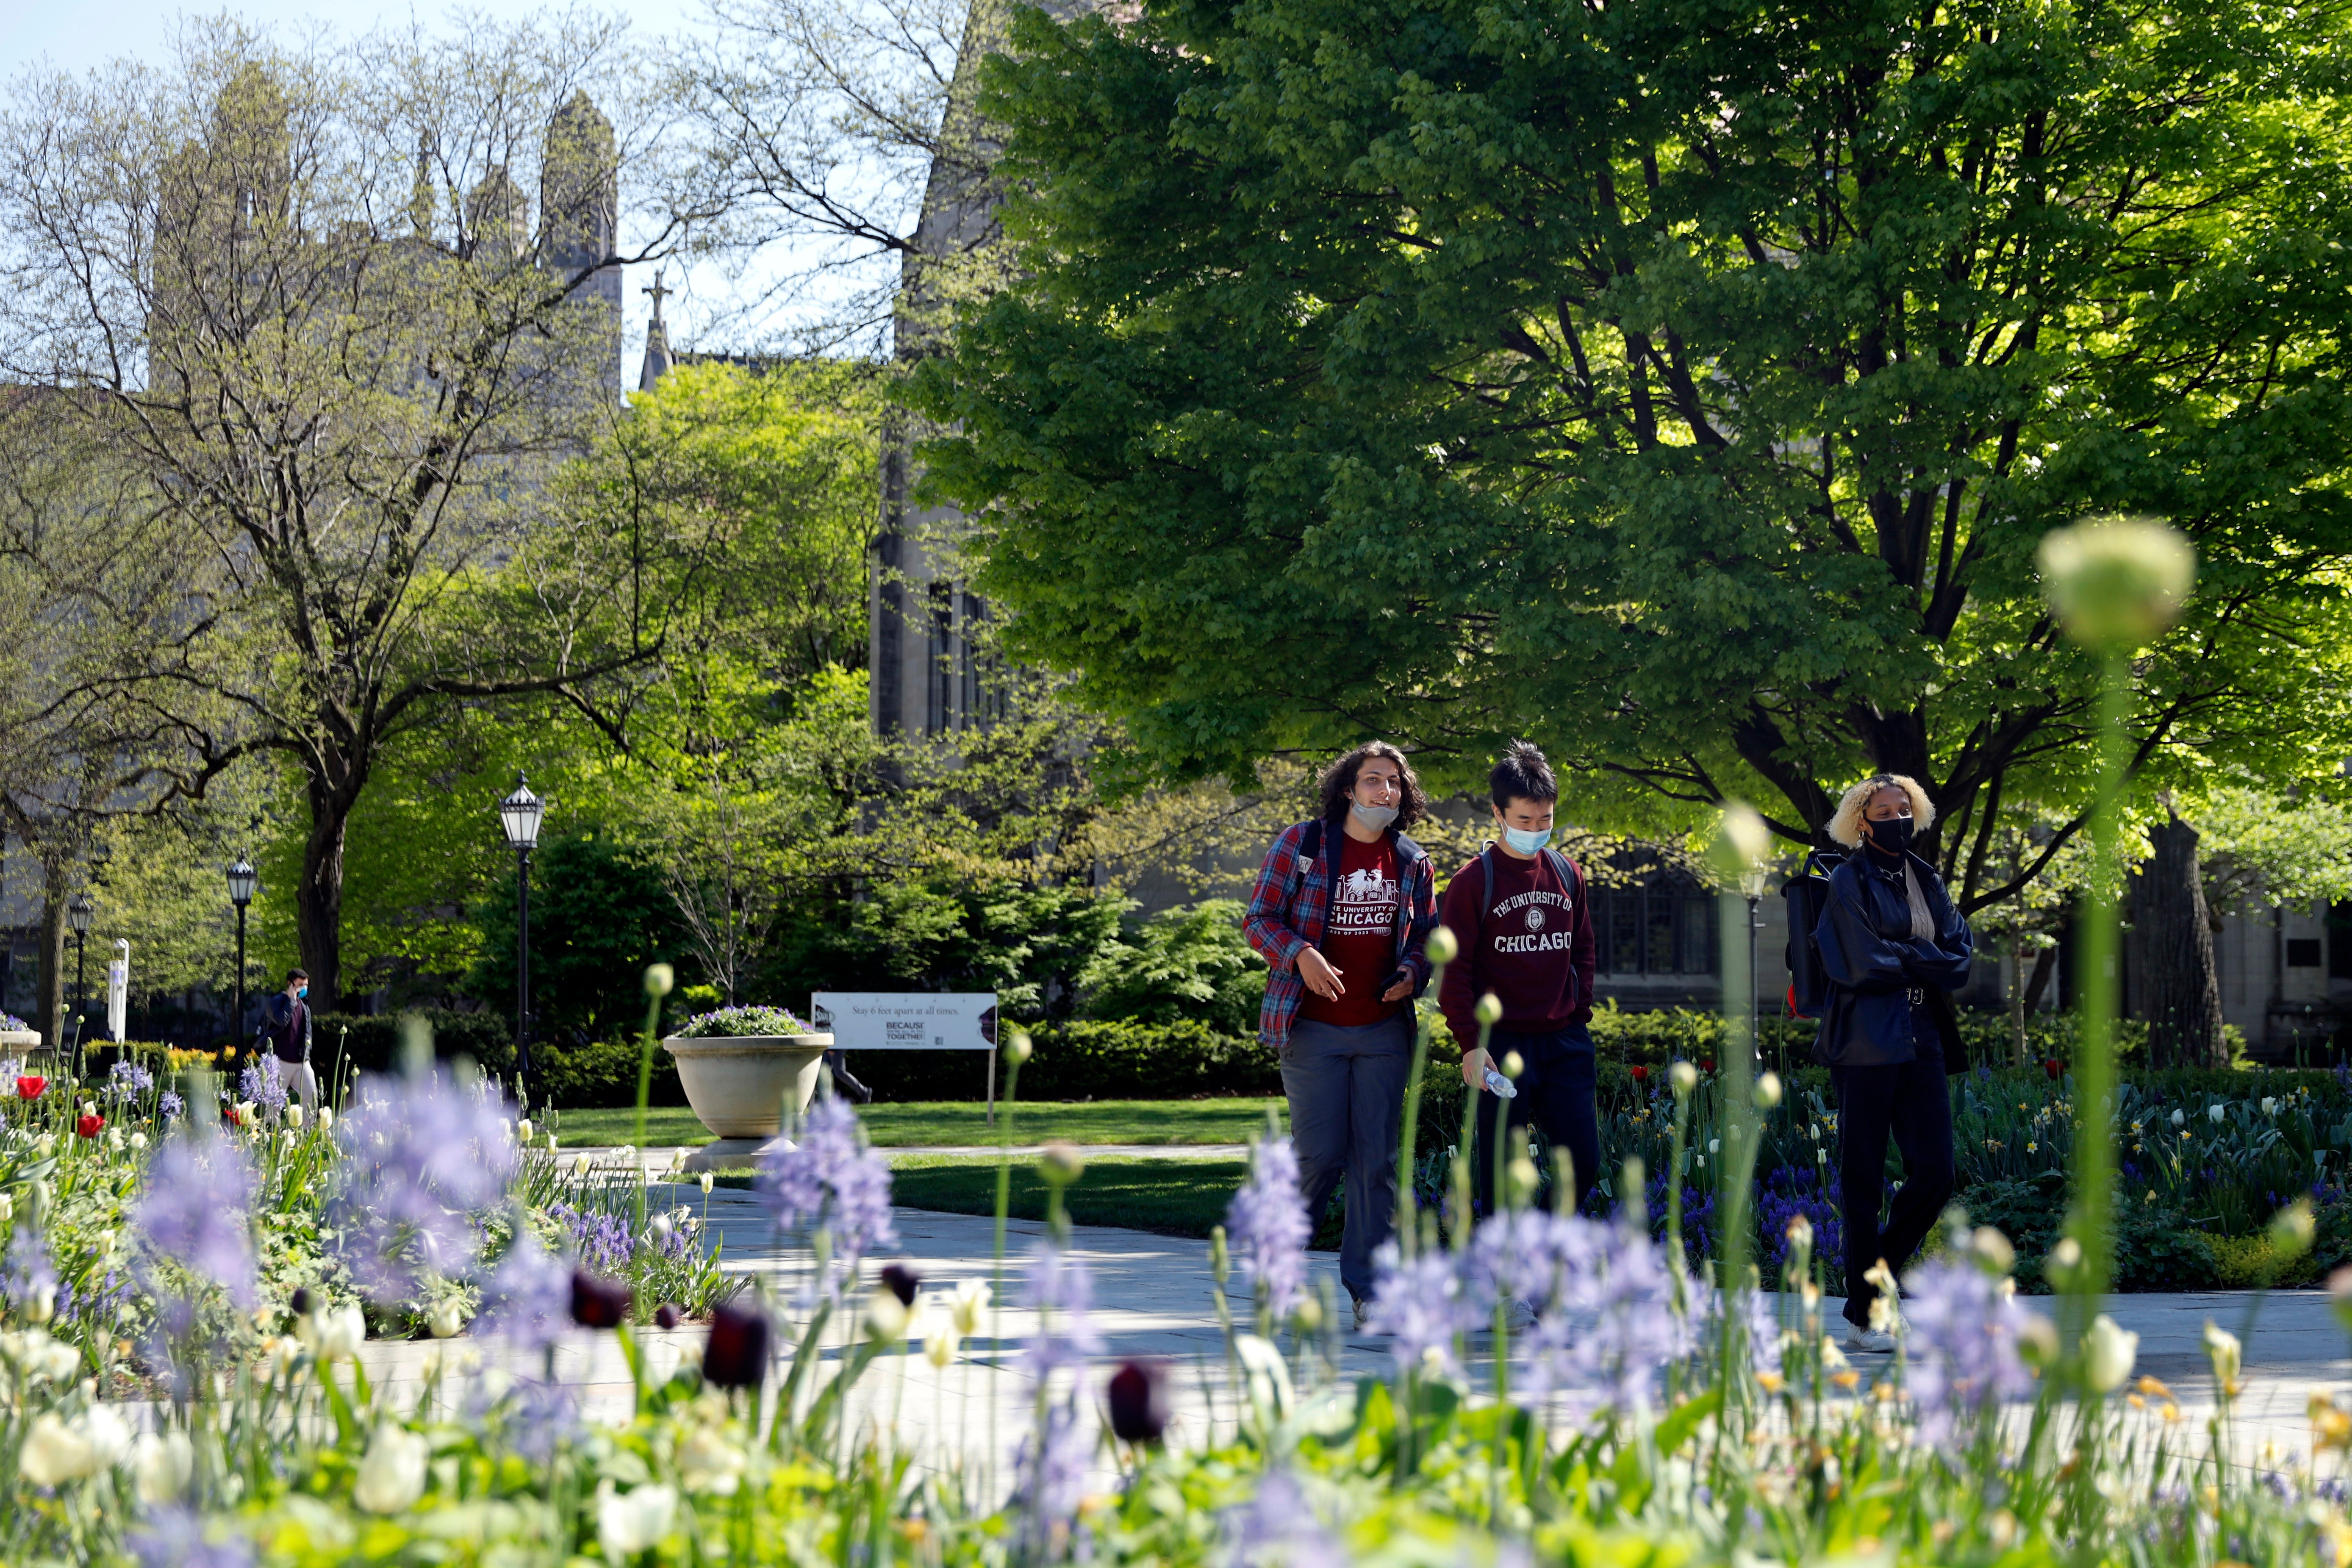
[{"x": 1291, "y": 902}]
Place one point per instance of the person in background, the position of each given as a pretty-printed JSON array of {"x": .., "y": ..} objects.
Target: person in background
[
  {"x": 1893, "y": 949},
  {"x": 1520, "y": 911},
  {"x": 286, "y": 1027},
  {"x": 1341, "y": 912}
]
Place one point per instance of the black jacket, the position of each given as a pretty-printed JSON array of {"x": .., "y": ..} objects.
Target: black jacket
[{"x": 1879, "y": 973}]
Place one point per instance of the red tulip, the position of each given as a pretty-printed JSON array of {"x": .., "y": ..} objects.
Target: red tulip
[
  {"x": 30, "y": 1088},
  {"x": 1138, "y": 1398},
  {"x": 598, "y": 1304},
  {"x": 89, "y": 1125},
  {"x": 2051, "y": 1065},
  {"x": 1641, "y": 1074},
  {"x": 736, "y": 1354},
  {"x": 1706, "y": 1064}
]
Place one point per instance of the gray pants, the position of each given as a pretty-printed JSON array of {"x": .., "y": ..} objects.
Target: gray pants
[{"x": 1346, "y": 1087}]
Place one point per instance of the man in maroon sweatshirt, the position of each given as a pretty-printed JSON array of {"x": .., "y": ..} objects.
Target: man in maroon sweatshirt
[{"x": 1520, "y": 911}]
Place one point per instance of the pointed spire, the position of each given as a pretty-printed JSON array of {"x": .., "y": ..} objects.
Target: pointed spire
[{"x": 657, "y": 355}]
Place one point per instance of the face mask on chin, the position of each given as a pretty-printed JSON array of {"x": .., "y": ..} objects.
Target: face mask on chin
[
  {"x": 1372, "y": 817},
  {"x": 1891, "y": 835}
]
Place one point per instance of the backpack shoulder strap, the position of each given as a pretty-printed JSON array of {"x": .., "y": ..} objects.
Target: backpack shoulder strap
[
  {"x": 1562, "y": 868},
  {"x": 1311, "y": 841},
  {"x": 1487, "y": 866}
]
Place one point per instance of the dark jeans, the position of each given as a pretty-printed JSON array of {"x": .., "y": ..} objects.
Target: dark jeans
[
  {"x": 1555, "y": 1093},
  {"x": 1346, "y": 1087},
  {"x": 1910, "y": 1101}
]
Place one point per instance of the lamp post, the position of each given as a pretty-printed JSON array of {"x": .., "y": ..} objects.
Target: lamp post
[
  {"x": 241, "y": 885},
  {"x": 520, "y": 814},
  {"x": 80, "y": 912}
]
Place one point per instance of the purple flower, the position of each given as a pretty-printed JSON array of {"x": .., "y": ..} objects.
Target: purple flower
[
  {"x": 262, "y": 1084},
  {"x": 539, "y": 1417},
  {"x": 29, "y": 1272},
  {"x": 129, "y": 1079},
  {"x": 423, "y": 1153},
  {"x": 1960, "y": 1348},
  {"x": 529, "y": 1298},
  {"x": 193, "y": 1210},
  {"x": 1267, "y": 1226},
  {"x": 174, "y": 1538},
  {"x": 1421, "y": 1305},
  {"x": 1616, "y": 1328},
  {"x": 171, "y": 1106},
  {"x": 1062, "y": 1293},
  {"x": 601, "y": 1241},
  {"x": 1278, "y": 1529},
  {"x": 1050, "y": 1480},
  {"x": 831, "y": 1183}
]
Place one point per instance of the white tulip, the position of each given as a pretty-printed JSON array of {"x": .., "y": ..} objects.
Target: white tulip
[
  {"x": 138, "y": 1141},
  {"x": 7, "y": 1208},
  {"x": 635, "y": 1521},
  {"x": 55, "y": 1454},
  {"x": 706, "y": 1183},
  {"x": 392, "y": 1477},
  {"x": 2269, "y": 1106},
  {"x": 971, "y": 1300},
  {"x": 294, "y": 1113},
  {"x": 709, "y": 1463},
  {"x": 523, "y": 1130},
  {"x": 2179, "y": 1118},
  {"x": 2216, "y": 1111},
  {"x": 941, "y": 1344},
  {"x": 114, "y": 1137},
  {"x": 551, "y": 1142},
  {"x": 102, "y": 1247},
  {"x": 38, "y": 1358},
  {"x": 42, "y": 1303},
  {"x": 326, "y": 1119},
  {"x": 45, "y": 1145},
  {"x": 108, "y": 1433},
  {"x": 885, "y": 1315},
  {"x": 163, "y": 1464},
  {"x": 2108, "y": 1352},
  {"x": 333, "y": 1333},
  {"x": 2228, "y": 1357},
  {"x": 448, "y": 1315}
]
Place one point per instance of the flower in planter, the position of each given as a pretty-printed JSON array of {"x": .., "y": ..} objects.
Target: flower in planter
[
  {"x": 736, "y": 1022},
  {"x": 193, "y": 1211},
  {"x": 1640, "y": 1073},
  {"x": 426, "y": 1154},
  {"x": 628, "y": 1523},
  {"x": 736, "y": 1354},
  {"x": 598, "y": 1304},
  {"x": 2052, "y": 1068},
  {"x": 89, "y": 1124},
  {"x": 529, "y": 1297},
  {"x": 392, "y": 1477}
]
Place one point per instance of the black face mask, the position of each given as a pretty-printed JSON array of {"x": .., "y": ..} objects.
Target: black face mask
[{"x": 1891, "y": 835}]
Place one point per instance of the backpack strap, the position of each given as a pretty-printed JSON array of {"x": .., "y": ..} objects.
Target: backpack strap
[{"x": 1486, "y": 864}]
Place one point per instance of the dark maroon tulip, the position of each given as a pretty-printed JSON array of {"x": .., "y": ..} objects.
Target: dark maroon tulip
[
  {"x": 598, "y": 1304},
  {"x": 737, "y": 1356},
  {"x": 1138, "y": 1401},
  {"x": 665, "y": 1316},
  {"x": 301, "y": 1300},
  {"x": 901, "y": 1281}
]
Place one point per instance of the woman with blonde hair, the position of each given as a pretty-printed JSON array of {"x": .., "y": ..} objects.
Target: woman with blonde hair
[{"x": 1894, "y": 951}]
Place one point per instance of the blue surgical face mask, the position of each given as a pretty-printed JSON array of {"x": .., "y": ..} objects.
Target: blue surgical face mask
[
  {"x": 303, "y": 991},
  {"x": 1527, "y": 841}
]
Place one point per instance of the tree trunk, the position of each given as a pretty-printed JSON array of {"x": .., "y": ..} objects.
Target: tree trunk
[
  {"x": 319, "y": 896},
  {"x": 49, "y": 1005},
  {"x": 2183, "y": 1001}
]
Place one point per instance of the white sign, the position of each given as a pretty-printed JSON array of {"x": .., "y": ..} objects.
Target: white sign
[
  {"x": 907, "y": 1020},
  {"x": 118, "y": 991}
]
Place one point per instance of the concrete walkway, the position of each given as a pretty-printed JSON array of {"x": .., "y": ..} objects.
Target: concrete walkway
[
  {"x": 667, "y": 1159},
  {"x": 1153, "y": 1298}
]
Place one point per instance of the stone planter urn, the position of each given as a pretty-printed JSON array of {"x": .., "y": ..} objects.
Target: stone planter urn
[
  {"x": 19, "y": 1043},
  {"x": 742, "y": 1087}
]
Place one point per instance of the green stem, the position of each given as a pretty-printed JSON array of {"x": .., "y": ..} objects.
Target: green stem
[
  {"x": 645, "y": 1094},
  {"x": 2095, "y": 1062},
  {"x": 1409, "y": 1136}
]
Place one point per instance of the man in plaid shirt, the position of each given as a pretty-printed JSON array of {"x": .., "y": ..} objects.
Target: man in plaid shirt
[{"x": 1342, "y": 912}]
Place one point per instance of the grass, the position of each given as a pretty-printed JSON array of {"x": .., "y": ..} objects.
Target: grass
[
  {"x": 921, "y": 1122},
  {"x": 1172, "y": 1197}
]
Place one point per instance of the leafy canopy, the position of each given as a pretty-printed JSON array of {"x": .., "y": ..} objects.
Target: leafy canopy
[{"x": 1685, "y": 386}]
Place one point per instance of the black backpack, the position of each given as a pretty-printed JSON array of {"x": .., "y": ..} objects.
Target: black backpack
[{"x": 1808, "y": 893}]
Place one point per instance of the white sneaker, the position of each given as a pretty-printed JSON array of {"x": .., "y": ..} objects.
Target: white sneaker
[
  {"x": 1363, "y": 1311},
  {"x": 1868, "y": 1342},
  {"x": 1518, "y": 1314}
]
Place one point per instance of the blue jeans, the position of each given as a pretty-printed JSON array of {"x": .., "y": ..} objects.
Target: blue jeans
[
  {"x": 1346, "y": 1087},
  {"x": 1555, "y": 1093}
]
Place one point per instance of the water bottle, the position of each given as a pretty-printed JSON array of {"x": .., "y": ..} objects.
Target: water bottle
[{"x": 1500, "y": 1087}]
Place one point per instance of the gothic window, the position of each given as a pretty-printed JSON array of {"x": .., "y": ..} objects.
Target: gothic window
[
  {"x": 1652, "y": 919},
  {"x": 938, "y": 675}
]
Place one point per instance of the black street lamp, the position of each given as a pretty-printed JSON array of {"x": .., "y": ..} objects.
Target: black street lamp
[
  {"x": 242, "y": 882},
  {"x": 80, "y": 912},
  {"x": 520, "y": 814}
]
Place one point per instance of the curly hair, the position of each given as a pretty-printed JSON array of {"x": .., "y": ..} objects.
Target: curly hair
[
  {"x": 1845, "y": 823},
  {"x": 1339, "y": 784}
]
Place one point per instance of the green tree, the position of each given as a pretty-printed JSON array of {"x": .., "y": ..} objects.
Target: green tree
[
  {"x": 598, "y": 916},
  {"x": 1688, "y": 390},
  {"x": 1191, "y": 962}
]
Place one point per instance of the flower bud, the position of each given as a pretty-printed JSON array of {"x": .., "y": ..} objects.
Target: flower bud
[
  {"x": 1062, "y": 1164},
  {"x": 1512, "y": 1064},
  {"x": 885, "y": 1315},
  {"x": 1137, "y": 1399},
  {"x": 1768, "y": 1090},
  {"x": 1489, "y": 1010},
  {"x": 447, "y": 1316},
  {"x": 2117, "y": 582},
  {"x": 1018, "y": 1049},
  {"x": 2292, "y": 1229},
  {"x": 667, "y": 1316},
  {"x": 736, "y": 1355},
  {"x": 1443, "y": 947},
  {"x": 2108, "y": 1352},
  {"x": 1684, "y": 1077},
  {"x": 902, "y": 1282},
  {"x": 1992, "y": 1249},
  {"x": 660, "y": 979},
  {"x": 598, "y": 1304}
]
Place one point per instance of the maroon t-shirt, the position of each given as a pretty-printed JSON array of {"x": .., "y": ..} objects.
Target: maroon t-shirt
[
  {"x": 1531, "y": 944},
  {"x": 1360, "y": 935}
]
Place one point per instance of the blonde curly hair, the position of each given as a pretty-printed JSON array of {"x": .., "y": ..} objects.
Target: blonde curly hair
[{"x": 1845, "y": 823}]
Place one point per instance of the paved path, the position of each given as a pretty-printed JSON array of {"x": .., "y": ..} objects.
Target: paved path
[
  {"x": 661, "y": 1161},
  {"x": 1152, "y": 1297}
]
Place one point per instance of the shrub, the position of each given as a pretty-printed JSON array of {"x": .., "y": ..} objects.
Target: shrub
[
  {"x": 1088, "y": 1059},
  {"x": 602, "y": 1075},
  {"x": 1188, "y": 962},
  {"x": 370, "y": 1042}
]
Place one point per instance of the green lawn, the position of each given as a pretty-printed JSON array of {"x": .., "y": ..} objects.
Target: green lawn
[
  {"x": 918, "y": 1122},
  {"x": 1173, "y": 1197}
]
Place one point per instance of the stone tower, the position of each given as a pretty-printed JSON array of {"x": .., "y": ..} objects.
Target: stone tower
[{"x": 579, "y": 215}]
